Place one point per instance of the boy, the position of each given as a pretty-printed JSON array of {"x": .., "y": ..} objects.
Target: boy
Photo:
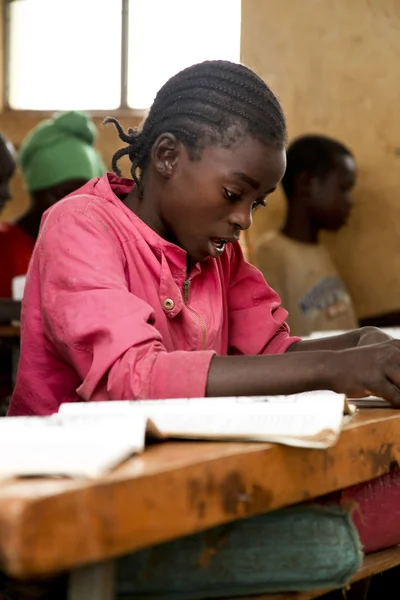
[{"x": 318, "y": 182}]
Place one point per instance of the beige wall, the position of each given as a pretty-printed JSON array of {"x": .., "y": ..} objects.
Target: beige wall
[{"x": 335, "y": 67}]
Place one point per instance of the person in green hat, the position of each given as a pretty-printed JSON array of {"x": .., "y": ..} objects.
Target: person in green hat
[{"x": 57, "y": 157}]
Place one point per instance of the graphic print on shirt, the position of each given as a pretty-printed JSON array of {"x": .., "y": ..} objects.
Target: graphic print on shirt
[{"x": 328, "y": 295}]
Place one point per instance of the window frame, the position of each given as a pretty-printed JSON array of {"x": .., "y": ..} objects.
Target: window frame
[{"x": 123, "y": 109}]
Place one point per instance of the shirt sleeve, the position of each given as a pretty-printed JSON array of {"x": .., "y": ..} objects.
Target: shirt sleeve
[
  {"x": 256, "y": 319},
  {"x": 105, "y": 332}
]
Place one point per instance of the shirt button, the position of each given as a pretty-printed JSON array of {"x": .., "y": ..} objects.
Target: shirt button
[{"x": 168, "y": 304}]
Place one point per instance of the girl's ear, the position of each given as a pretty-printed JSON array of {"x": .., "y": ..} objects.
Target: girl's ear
[{"x": 165, "y": 153}]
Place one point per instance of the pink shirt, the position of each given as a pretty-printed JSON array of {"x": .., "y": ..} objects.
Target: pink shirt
[{"x": 107, "y": 313}]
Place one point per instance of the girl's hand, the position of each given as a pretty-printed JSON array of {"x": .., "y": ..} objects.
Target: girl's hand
[{"x": 371, "y": 370}]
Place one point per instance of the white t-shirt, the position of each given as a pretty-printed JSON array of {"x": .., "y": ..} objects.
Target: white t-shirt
[{"x": 307, "y": 282}]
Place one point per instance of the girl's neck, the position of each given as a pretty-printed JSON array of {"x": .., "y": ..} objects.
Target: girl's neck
[{"x": 146, "y": 210}]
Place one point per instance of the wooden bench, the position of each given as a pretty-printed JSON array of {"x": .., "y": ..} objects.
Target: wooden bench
[{"x": 53, "y": 526}]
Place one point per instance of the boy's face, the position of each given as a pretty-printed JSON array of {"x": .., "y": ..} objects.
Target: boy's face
[
  {"x": 207, "y": 202},
  {"x": 330, "y": 200}
]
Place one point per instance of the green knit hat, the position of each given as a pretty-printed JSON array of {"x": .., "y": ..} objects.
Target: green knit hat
[{"x": 60, "y": 149}]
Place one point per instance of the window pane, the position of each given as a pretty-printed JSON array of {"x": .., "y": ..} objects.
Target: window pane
[
  {"x": 166, "y": 36},
  {"x": 65, "y": 54}
]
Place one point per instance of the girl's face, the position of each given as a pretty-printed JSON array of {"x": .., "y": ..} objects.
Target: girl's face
[{"x": 205, "y": 203}]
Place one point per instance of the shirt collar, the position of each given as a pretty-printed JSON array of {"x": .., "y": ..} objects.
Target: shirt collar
[{"x": 173, "y": 259}]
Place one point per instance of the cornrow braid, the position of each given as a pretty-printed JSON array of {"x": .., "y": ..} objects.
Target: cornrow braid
[{"x": 208, "y": 103}]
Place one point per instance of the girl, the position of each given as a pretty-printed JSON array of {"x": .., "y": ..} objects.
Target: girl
[{"x": 138, "y": 289}]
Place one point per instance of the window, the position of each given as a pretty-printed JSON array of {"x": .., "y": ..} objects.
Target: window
[{"x": 110, "y": 54}]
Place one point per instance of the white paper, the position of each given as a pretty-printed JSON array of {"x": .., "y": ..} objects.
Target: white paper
[
  {"x": 393, "y": 331},
  {"x": 311, "y": 420},
  {"x": 85, "y": 445},
  {"x": 17, "y": 293},
  {"x": 316, "y": 335},
  {"x": 18, "y": 287}
]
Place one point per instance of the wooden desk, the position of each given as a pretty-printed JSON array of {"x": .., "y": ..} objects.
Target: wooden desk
[{"x": 49, "y": 526}]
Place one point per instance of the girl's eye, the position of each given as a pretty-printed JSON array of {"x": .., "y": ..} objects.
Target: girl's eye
[
  {"x": 259, "y": 203},
  {"x": 232, "y": 196}
]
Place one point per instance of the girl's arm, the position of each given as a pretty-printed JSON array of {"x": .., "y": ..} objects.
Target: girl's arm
[
  {"x": 356, "y": 372},
  {"x": 351, "y": 339}
]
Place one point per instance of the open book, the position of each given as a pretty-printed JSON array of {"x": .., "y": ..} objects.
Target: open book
[
  {"x": 310, "y": 420},
  {"x": 68, "y": 445},
  {"x": 89, "y": 439}
]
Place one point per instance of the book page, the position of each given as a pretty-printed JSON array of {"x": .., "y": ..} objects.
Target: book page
[
  {"x": 370, "y": 402},
  {"x": 316, "y": 335},
  {"x": 298, "y": 423},
  {"x": 310, "y": 420},
  {"x": 85, "y": 445}
]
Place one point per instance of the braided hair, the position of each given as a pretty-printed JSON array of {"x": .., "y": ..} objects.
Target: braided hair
[{"x": 208, "y": 103}]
